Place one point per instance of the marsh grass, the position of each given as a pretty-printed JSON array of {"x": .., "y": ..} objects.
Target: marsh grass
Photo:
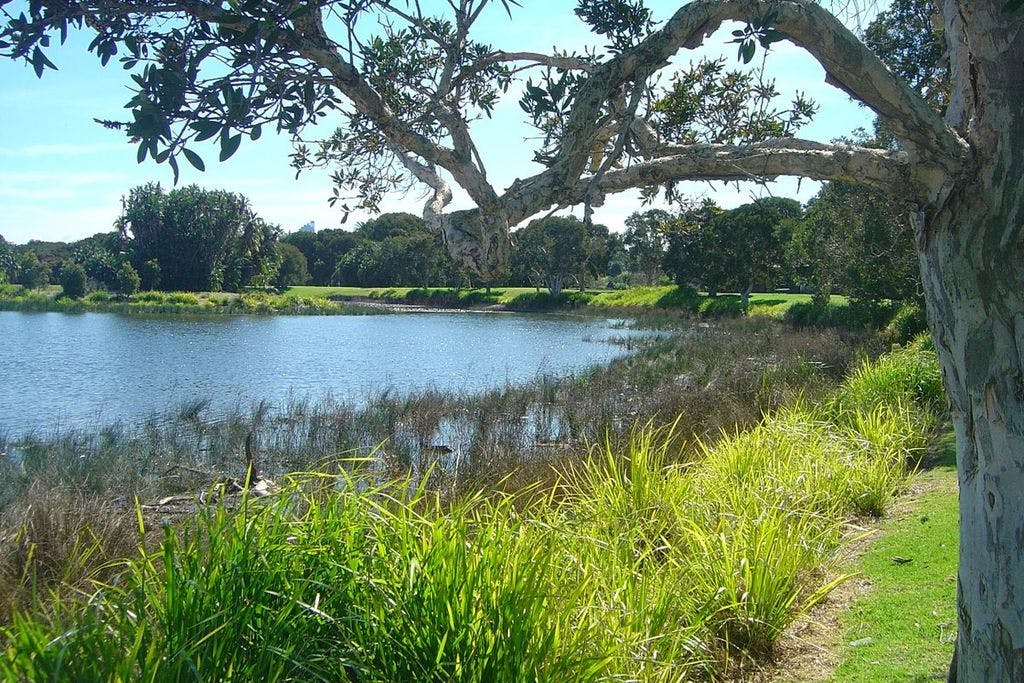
[
  {"x": 637, "y": 563},
  {"x": 715, "y": 377}
]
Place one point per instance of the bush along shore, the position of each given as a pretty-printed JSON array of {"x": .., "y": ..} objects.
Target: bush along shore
[
  {"x": 176, "y": 303},
  {"x": 646, "y": 557}
]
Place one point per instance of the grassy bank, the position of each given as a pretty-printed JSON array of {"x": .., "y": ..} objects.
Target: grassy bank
[
  {"x": 530, "y": 299},
  {"x": 174, "y": 303},
  {"x": 640, "y": 561},
  {"x": 902, "y": 625},
  {"x": 719, "y": 376},
  {"x": 796, "y": 309}
]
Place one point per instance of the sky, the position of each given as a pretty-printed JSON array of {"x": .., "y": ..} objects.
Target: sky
[{"x": 62, "y": 175}]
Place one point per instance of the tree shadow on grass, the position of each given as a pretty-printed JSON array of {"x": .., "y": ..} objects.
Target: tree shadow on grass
[
  {"x": 941, "y": 454},
  {"x": 767, "y": 302}
]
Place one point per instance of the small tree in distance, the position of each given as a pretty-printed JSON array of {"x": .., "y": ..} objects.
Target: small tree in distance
[
  {"x": 645, "y": 240},
  {"x": 293, "y": 269},
  {"x": 72, "y": 280},
  {"x": 559, "y": 250},
  {"x": 32, "y": 273},
  {"x": 128, "y": 280}
]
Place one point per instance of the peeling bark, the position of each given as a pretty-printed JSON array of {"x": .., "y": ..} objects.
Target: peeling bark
[
  {"x": 972, "y": 259},
  {"x": 477, "y": 240}
]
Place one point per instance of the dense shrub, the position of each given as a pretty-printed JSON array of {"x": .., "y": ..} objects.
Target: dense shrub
[
  {"x": 449, "y": 298},
  {"x": 149, "y": 274},
  {"x": 72, "y": 280},
  {"x": 128, "y": 280},
  {"x": 855, "y": 315},
  {"x": 545, "y": 301}
]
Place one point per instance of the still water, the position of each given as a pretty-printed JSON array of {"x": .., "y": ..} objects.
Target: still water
[{"x": 62, "y": 371}]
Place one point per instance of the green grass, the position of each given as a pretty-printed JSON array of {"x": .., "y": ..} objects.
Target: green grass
[
  {"x": 640, "y": 563},
  {"x": 667, "y": 296},
  {"x": 905, "y": 625},
  {"x": 317, "y": 300}
]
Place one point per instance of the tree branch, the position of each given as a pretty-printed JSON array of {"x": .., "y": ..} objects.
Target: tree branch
[
  {"x": 882, "y": 169},
  {"x": 849, "y": 64},
  {"x": 317, "y": 47},
  {"x": 428, "y": 175}
]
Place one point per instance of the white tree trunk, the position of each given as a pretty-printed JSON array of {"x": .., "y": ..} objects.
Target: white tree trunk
[{"x": 972, "y": 259}]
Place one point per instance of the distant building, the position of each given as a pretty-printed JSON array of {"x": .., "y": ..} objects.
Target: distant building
[{"x": 308, "y": 227}]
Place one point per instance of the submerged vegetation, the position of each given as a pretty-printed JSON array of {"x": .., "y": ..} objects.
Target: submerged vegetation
[{"x": 658, "y": 550}]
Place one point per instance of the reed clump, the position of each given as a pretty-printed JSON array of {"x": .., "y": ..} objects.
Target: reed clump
[{"x": 638, "y": 563}]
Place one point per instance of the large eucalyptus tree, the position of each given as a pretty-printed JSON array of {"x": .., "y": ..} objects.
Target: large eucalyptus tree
[{"x": 407, "y": 86}]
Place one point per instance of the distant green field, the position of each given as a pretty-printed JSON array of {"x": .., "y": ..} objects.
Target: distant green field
[{"x": 642, "y": 297}]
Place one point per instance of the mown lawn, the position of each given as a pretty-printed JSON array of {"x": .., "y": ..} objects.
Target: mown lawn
[{"x": 904, "y": 627}]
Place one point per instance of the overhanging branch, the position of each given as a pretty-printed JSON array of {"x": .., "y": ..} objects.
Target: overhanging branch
[
  {"x": 848, "y": 63},
  {"x": 888, "y": 171}
]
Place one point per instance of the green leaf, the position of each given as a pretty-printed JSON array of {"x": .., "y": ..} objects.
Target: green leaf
[
  {"x": 256, "y": 132},
  {"x": 40, "y": 62},
  {"x": 140, "y": 156},
  {"x": 174, "y": 167},
  {"x": 206, "y": 129},
  {"x": 747, "y": 51},
  {"x": 194, "y": 159},
  {"x": 228, "y": 146}
]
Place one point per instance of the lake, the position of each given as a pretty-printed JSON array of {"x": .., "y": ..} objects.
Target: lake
[{"x": 61, "y": 371}]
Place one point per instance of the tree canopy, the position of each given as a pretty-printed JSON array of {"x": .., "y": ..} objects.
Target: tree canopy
[
  {"x": 559, "y": 250},
  {"x": 645, "y": 241},
  {"x": 856, "y": 242},
  {"x": 200, "y": 240},
  {"x": 6, "y": 261}
]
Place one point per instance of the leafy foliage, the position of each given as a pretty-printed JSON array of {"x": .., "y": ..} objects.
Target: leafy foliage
[
  {"x": 293, "y": 270},
  {"x": 912, "y": 44},
  {"x": 709, "y": 103},
  {"x": 689, "y": 239},
  {"x": 739, "y": 248},
  {"x": 855, "y": 241},
  {"x": 558, "y": 250},
  {"x": 72, "y": 280},
  {"x": 623, "y": 22},
  {"x": 645, "y": 241},
  {"x": 32, "y": 274},
  {"x": 128, "y": 280},
  {"x": 323, "y": 251},
  {"x": 395, "y": 249},
  {"x": 7, "y": 261},
  {"x": 201, "y": 240}
]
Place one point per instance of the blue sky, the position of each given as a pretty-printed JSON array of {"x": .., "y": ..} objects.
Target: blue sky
[{"x": 62, "y": 175}]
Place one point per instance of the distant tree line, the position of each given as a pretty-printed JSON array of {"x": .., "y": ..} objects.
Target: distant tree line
[
  {"x": 846, "y": 240},
  {"x": 188, "y": 239}
]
